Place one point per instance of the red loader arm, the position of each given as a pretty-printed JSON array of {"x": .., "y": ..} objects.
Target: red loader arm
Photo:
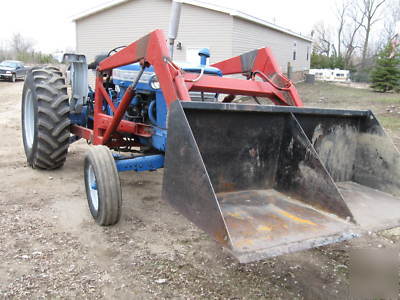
[
  {"x": 261, "y": 63},
  {"x": 176, "y": 84}
]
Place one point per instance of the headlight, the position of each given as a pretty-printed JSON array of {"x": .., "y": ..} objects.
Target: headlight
[
  {"x": 8, "y": 72},
  {"x": 154, "y": 83}
]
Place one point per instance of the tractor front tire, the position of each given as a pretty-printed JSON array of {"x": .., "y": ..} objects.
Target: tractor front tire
[
  {"x": 45, "y": 118},
  {"x": 103, "y": 187}
]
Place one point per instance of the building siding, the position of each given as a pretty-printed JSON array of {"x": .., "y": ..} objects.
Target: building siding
[
  {"x": 201, "y": 27},
  {"x": 225, "y": 35},
  {"x": 125, "y": 23},
  {"x": 120, "y": 25},
  {"x": 248, "y": 36}
]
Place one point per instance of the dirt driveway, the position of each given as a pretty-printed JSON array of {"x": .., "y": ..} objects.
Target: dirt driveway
[{"x": 50, "y": 246}]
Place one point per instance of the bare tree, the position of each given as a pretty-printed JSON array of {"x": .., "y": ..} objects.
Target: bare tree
[
  {"x": 322, "y": 37},
  {"x": 351, "y": 32},
  {"x": 370, "y": 11},
  {"x": 4, "y": 51},
  {"x": 392, "y": 18},
  {"x": 20, "y": 45},
  {"x": 341, "y": 14}
]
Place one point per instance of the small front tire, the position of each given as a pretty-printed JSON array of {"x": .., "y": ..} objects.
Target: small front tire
[{"x": 103, "y": 188}]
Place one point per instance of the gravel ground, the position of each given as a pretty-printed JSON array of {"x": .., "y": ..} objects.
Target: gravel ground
[{"x": 51, "y": 248}]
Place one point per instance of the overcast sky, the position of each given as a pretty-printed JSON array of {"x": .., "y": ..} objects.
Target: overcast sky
[{"x": 48, "y": 22}]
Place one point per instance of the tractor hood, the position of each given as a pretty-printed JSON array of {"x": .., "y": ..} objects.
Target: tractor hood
[{"x": 125, "y": 75}]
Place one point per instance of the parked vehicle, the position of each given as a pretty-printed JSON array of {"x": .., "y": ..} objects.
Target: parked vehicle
[{"x": 12, "y": 70}]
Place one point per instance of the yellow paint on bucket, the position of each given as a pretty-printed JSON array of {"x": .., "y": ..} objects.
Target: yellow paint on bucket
[
  {"x": 236, "y": 215},
  {"x": 264, "y": 228},
  {"x": 244, "y": 243},
  {"x": 294, "y": 218}
]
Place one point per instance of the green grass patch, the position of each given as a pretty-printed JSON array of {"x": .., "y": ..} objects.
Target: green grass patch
[
  {"x": 344, "y": 94},
  {"x": 390, "y": 122}
]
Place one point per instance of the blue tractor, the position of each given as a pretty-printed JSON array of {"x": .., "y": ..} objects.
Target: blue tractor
[{"x": 262, "y": 180}]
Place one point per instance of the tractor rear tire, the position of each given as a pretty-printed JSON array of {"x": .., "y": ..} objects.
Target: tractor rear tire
[
  {"x": 103, "y": 187},
  {"x": 45, "y": 118}
]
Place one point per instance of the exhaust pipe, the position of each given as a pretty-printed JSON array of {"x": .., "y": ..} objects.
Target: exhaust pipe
[{"x": 174, "y": 25}]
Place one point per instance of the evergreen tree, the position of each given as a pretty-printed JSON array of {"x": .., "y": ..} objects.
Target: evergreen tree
[{"x": 386, "y": 74}]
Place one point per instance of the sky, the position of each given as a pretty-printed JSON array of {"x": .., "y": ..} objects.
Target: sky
[{"x": 48, "y": 23}]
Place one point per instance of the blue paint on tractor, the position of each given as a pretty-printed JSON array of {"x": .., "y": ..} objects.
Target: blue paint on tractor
[
  {"x": 148, "y": 106},
  {"x": 141, "y": 163},
  {"x": 80, "y": 119}
]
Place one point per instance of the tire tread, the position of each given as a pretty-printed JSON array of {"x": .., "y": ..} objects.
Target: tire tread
[
  {"x": 53, "y": 120},
  {"x": 109, "y": 187}
]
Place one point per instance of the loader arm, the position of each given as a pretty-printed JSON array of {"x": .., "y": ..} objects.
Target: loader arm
[
  {"x": 152, "y": 50},
  {"x": 176, "y": 84},
  {"x": 261, "y": 63}
]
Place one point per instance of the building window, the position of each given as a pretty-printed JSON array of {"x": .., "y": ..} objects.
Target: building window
[
  {"x": 294, "y": 54},
  {"x": 308, "y": 53}
]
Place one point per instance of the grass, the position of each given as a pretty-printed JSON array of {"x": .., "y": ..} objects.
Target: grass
[
  {"x": 386, "y": 106},
  {"x": 343, "y": 95},
  {"x": 390, "y": 122}
]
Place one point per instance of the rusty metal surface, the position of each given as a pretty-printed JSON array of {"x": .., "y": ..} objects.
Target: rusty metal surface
[
  {"x": 354, "y": 149},
  {"x": 253, "y": 150},
  {"x": 186, "y": 184},
  {"x": 266, "y": 223},
  {"x": 265, "y": 181},
  {"x": 302, "y": 175}
]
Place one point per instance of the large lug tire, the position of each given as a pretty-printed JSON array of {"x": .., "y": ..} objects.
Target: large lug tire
[
  {"x": 45, "y": 118},
  {"x": 103, "y": 188}
]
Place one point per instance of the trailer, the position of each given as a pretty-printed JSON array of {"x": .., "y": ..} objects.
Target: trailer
[{"x": 335, "y": 75}]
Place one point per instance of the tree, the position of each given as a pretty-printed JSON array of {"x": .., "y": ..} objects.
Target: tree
[
  {"x": 322, "y": 39},
  {"x": 369, "y": 9},
  {"x": 341, "y": 10},
  {"x": 350, "y": 39},
  {"x": 392, "y": 19},
  {"x": 20, "y": 45},
  {"x": 386, "y": 74}
]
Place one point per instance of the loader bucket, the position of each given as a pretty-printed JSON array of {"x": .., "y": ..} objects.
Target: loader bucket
[{"x": 269, "y": 180}]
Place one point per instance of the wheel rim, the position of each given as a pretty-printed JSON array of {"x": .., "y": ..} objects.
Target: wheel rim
[
  {"x": 94, "y": 196},
  {"x": 29, "y": 119}
]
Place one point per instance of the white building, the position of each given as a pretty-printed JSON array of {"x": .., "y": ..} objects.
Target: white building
[{"x": 225, "y": 32}]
